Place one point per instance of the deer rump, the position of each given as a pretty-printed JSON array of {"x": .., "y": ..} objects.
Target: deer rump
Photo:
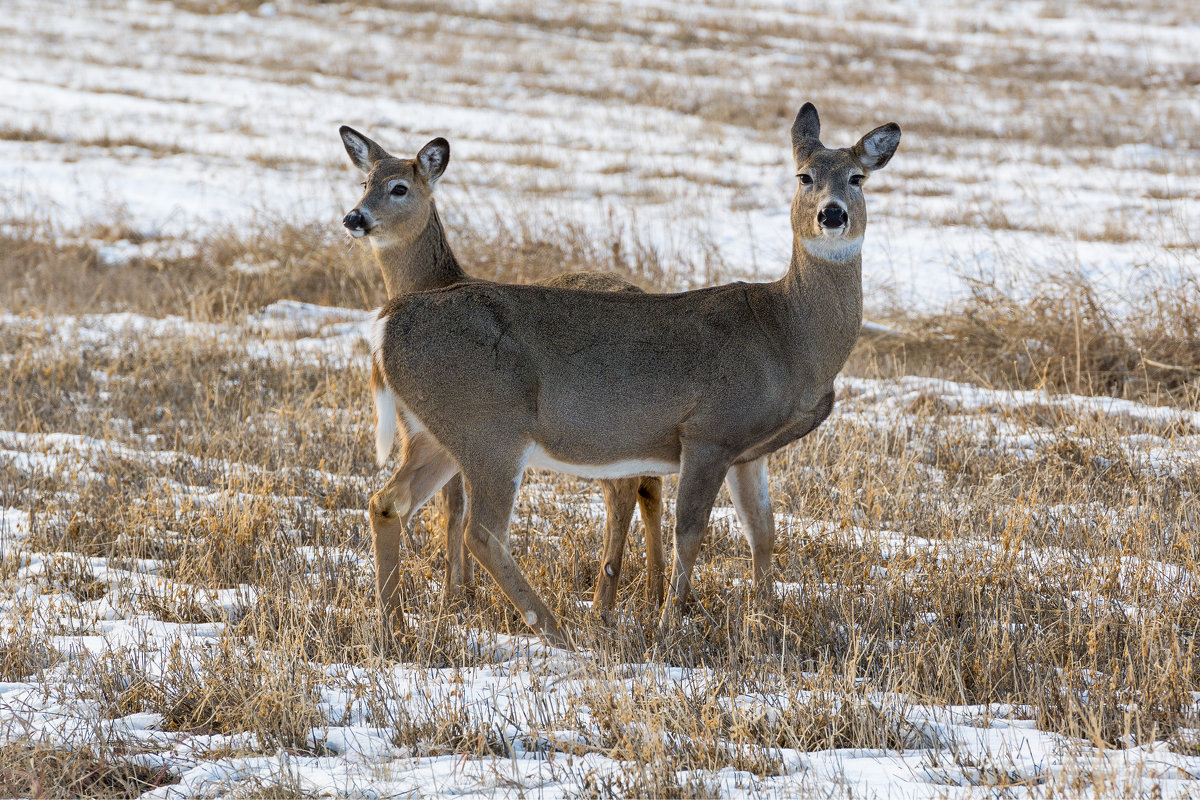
[{"x": 603, "y": 384}]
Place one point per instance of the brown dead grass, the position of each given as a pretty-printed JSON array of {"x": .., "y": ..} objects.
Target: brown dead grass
[
  {"x": 1041, "y": 578},
  {"x": 1057, "y": 335},
  {"x": 231, "y": 275},
  {"x": 296, "y": 262},
  {"x": 40, "y": 771},
  {"x": 278, "y": 448},
  {"x": 231, "y": 689}
]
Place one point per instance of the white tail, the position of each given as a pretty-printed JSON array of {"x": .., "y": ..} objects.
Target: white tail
[
  {"x": 386, "y": 404},
  {"x": 386, "y": 409}
]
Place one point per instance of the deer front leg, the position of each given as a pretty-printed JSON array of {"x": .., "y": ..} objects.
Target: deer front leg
[
  {"x": 650, "y": 497},
  {"x": 700, "y": 475},
  {"x": 747, "y": 484},
  {"x": 490, "y": 498},
  {"x": 620, "y": 499}
]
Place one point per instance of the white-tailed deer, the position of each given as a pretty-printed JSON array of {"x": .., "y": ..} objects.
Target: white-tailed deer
[
  {"x": 399, "y": 218},
  {"x": 489, "y": 379}
]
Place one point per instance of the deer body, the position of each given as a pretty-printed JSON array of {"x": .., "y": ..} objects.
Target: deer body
[
  {"x": 399, "y": 217},
  {"x": 489, "y": 379},
  {"x": 694, "y": 366}
]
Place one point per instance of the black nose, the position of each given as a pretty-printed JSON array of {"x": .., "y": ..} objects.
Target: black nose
[
  {"x": 354, "y": 220},
  {"x": 832, "y": 216}
]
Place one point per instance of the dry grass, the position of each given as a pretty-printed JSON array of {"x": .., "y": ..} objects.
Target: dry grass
[
  {"x": 108, "y": 142},
  {"x": 236, "y": 689},
  {"x": 227, "y": 275},
  {"x": 1031, "y": 554},
  {"x": 926, "y": 556},
  {"x": 37, "y": 771},
  {"x": 1017, "y": 586},
  {"x": 231, "y": 274},
  {"x": 1058, "y": 334},
  {"x": 523, "y": 252}
]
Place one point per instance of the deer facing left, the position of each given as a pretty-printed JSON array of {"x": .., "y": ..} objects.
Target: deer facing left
[{"x": 398, "y": 217}]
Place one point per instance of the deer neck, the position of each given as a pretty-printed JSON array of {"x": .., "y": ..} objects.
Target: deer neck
[
  {"x": 425, "y": 262},
  {"x": 826, "y": 298}
]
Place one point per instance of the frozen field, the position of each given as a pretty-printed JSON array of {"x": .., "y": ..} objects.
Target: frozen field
[
  {"x": 1039, "y": 136},
  {"x": 136, "y": 595},
  {"x": 984, "y": 590}
]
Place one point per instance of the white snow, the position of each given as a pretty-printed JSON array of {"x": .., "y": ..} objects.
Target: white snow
[
  {"x": 522, "y": 690},
  {"x": 202, "y": 120},
  {"x": 175, "y": 123}
]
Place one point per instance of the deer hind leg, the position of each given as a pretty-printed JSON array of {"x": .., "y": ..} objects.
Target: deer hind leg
[
  {"x": 490, "y": 496},
  {"x": 387, "y": 530},
  {"x": 458, "y": 566},
  {"x": 747, "y": 484},
  {"x": 425, "y": 468},
  {"x": 701, "y": 471},
  {"x": 650, "y": 497},
  {"x": 620, "y": 500}
]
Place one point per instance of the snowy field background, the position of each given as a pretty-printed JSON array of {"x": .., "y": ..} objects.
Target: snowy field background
[
  {"x": 1038, "y": 135},
  {"x": 985, "y": 590}
]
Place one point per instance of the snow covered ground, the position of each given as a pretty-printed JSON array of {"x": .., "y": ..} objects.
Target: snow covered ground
[
  {"x": 1039, "y": 136},
  {"x": 146, "y": 592},
  {"x": 541, "y": 712}
]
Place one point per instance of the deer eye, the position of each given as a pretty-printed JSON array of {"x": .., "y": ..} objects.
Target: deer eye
[
  {"x": 399, "y": 190},
  {"x": 857, "y": 180},
  {"x": 805, "y": 179}
]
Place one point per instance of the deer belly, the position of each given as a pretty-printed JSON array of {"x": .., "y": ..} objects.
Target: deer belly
[
  {"x": 625, "y": 468},
  {"x": 797, "y": 427}
]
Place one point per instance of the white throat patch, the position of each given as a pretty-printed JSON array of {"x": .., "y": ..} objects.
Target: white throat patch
[{"x": 833, "y": 248}]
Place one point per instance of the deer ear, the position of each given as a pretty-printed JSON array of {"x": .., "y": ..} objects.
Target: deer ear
[
  {"x": 433, "y": 158},
  {"x": 806, "y": 132},
  {"x": 363, "y": 152},
  {"x": 877, "y": 148}
]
